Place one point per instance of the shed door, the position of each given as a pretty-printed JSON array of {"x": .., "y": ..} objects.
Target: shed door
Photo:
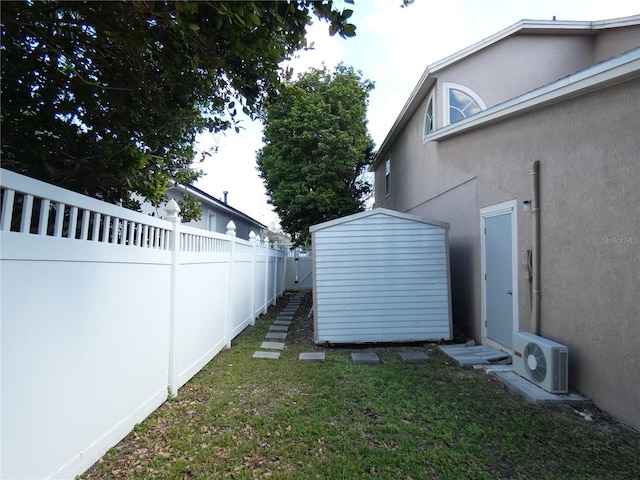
[{"x": 500, "y": 295}]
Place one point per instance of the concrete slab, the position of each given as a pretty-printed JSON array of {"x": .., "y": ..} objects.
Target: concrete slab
[
  {"x": 278, "y": 328},
  {"x": 284, "y": 317},
  {"x": 532, "y": 392},
  {"x": 365, "y": 358},
  {"x": 282, "y": 322},
  {"x": 272, "y": 345},
  {"x": 312, "y": 356},
  {"x": 497, "y": 368},
  {"x": 275, "y": 336},
  {"x": 469, "y": 360},
  {"x": 468, "y": 356},
  {"x": 267, "y": 355},
  {"x": 286, "y": 312},
  {"x": 413, "y": 357}
]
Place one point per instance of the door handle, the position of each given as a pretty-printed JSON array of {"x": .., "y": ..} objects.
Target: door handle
[{"x": 509, "y": 292}]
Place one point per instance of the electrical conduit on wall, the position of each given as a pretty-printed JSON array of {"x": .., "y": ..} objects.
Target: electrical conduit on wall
[{"x": 535, "y": 248}]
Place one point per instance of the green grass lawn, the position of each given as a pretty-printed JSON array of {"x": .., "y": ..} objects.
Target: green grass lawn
[{"x": 286, "y": 419}]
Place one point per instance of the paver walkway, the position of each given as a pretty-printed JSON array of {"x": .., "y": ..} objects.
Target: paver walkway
[
  {"x": 279, "y": 329},
  {"x": 276, "y": 336}
]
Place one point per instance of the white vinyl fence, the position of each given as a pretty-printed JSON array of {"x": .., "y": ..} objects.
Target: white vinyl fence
[{"x": 104, "y": 313}]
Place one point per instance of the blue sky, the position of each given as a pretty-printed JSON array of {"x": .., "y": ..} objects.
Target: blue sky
[{"x": 393, "y": 46}]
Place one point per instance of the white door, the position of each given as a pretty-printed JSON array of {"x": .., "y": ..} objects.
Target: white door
[{"x": 499, "y": 273}]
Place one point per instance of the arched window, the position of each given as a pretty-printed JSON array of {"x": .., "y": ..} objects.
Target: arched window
[
  {"x": 429, "y": 117},
  {"x": 461, "y": 102}
]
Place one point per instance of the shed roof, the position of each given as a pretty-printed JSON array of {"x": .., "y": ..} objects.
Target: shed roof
[{"x": 377, "y": 211}]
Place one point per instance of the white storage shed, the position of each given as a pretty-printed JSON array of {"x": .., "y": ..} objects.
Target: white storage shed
[{"x": 381, "y": 276}]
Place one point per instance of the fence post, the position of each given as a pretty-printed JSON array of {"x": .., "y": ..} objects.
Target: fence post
[
  {"x": 231, "y": 232},
  {"x": 275, "y": 272},
  {"x": 173, "y": 210},
  {"x": 265, "y": 245},
  {"x": 252, "y": 239},
  {"x": 283, "y": 280}
]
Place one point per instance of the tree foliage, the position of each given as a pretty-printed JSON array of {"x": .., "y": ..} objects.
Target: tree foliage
[
  {"x": 316, "y": 148},
  {"x": 105, "y": 98}
]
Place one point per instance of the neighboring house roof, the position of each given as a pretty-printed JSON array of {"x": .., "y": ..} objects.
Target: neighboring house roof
[
  {"x": 217, "y": 204},
  {"x": 608, "y": 72}
]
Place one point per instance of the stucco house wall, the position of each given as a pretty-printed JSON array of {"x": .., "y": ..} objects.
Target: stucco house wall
[
  {"x": 527, "y": 62},
  {"x": 588, "y": 147},
  {"x": 609, "y": 43}
]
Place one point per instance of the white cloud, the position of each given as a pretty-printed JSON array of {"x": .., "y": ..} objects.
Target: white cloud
[{"x": 604, "y": 9}]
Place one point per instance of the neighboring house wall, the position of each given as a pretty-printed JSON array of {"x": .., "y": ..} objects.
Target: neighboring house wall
[{"x": 590, "y": 221}]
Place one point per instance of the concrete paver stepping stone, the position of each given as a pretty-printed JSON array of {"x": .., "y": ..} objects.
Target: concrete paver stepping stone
[
  {"x": 282, "y": 322},
  {"x": 365, "y": 358},
  {"x": 276, "y": 336},
  {"x": 267, "y": 355},
  {"x": 413, "y": 357},
  {"x": 312, "y": 356},
  {"x": 272, "y": 345},
  {"x": 278, "y": 328}
]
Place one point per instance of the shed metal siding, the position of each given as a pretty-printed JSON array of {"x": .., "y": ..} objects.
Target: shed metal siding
[{"x": 381, "y": 276}]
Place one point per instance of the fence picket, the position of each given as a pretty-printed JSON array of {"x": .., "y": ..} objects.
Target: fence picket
[
  {"x": 96, "y": 227},
  {"x": 27, "y": 212},
  {"x": 7, "y": 209},
  {"x": 73, "y": 222},
  {"x": 59, "y": 220}
]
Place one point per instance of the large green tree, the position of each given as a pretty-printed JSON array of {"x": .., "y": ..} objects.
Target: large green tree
[
  {"x": 316, "y": 149},
  {"x": 105, "y": 98}
]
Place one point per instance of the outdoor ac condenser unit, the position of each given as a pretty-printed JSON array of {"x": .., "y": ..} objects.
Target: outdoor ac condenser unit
[{"x": 541, "y": 361}]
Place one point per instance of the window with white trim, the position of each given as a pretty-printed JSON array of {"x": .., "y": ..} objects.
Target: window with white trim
[
  {"x": 460, "y": 103},
  {"x": 387, "y": 176},
  {"x": 429, "y": 117}
]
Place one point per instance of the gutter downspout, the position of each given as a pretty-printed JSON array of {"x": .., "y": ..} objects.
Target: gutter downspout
[{"x": 535, "y": 248}]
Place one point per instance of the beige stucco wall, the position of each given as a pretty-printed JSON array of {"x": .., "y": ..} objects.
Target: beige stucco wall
[
  {"x": 588, "y": 148},
  {"x": 517, "y": 65},
  {"x": 610, "y": 43}
]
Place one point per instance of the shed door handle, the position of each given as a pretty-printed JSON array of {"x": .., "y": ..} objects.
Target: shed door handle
[{"x": 509, "y": 292}]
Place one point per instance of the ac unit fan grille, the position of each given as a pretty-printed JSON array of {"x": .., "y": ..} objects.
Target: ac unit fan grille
[{"x": 535, "y": 362}]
